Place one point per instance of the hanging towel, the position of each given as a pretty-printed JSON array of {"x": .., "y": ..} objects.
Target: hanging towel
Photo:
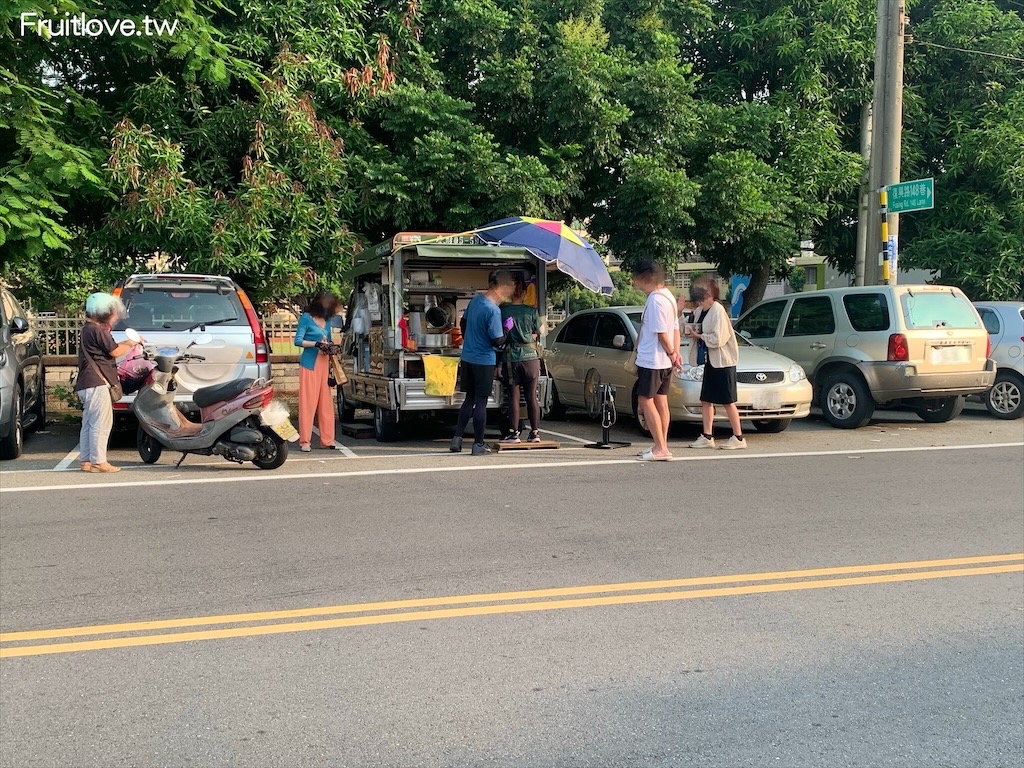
[{"x": 440, "y": 373}]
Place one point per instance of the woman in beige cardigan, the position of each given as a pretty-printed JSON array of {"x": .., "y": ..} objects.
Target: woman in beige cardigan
[{"x": 714, "y": 346}]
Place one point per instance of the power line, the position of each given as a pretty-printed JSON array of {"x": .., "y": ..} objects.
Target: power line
[{"x": 969, "y": 50}]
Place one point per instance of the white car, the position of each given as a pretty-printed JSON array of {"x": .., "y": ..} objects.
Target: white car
[
  {"x": 172, "y": 309},
  {"x": 1004, "y": 321},
  {"x": 590, "y": 348}
]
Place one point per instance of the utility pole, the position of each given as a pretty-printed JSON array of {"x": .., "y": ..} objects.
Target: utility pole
[
  {"x": 864, "y": 197},
  {"x": 887, "y": 131}
]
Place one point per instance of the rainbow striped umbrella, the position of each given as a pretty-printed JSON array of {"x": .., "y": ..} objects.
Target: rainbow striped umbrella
[{"x": 554, "y": 243}]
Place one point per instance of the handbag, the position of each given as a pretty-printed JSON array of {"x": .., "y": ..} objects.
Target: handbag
[
  {"x": 339, "y": 375},
  {"x": 115, "y": 391},
  {"x": 630, "y": 365}
]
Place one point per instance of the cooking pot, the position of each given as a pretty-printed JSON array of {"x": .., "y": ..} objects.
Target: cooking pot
[
  {"x": 438, "y": 317},
  {"x": 436, "y": 339}
]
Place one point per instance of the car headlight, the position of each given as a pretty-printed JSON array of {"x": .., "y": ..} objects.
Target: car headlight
[
  {"x": 692, "y": 373},
  {"x": 796, "y": 373}
]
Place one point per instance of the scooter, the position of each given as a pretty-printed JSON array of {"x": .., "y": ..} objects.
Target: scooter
[{"x": 240, "y": 420}]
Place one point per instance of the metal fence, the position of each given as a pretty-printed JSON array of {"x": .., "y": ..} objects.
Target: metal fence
[{"x": 59, "y": 335}]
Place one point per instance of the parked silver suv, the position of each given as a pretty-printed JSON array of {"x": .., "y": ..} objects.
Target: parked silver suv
[
  {"x": 171, "y": 309},
  {"x": 923, "y": 346}
]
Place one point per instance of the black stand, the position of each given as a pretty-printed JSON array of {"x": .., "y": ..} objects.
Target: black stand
[{"x": 607, "y": 421}]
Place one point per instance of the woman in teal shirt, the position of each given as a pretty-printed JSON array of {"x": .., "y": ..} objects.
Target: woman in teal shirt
[
  {"x": 522, "y": 362},
  {"x": 312, "y": 335}
]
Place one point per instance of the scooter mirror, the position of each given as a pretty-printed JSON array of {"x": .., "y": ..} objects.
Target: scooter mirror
[
  {"x": 133, "y": 335},
  {"x": 203, "y": 338}
]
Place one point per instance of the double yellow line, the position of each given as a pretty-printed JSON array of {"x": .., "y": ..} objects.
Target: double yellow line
[{"x": 40, "y": 642}]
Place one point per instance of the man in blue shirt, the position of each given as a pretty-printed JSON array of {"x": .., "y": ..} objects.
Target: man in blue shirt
[{"x": 483, "y": 334}]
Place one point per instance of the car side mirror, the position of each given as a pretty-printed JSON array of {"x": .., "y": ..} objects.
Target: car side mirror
[
  {"x": 745, "y": 335},
  {"x": 19, "y": 325},
  {"x": 619, "y": 341}
]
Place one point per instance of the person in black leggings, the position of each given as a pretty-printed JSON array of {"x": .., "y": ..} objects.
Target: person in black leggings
[
  {"x": 483, "y": 334},
  {"x": 522, "y": 363}
]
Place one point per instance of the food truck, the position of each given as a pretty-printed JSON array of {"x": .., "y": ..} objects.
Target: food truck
[{"x": 402, "y": 339}]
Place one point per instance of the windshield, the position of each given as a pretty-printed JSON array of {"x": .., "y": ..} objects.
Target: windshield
[
  {"x": 933, "y": 309},
  {"x": 177, "y": 308}
]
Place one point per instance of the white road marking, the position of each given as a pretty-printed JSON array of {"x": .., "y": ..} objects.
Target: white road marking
[
  {"x": 568, "y": 437},
  {"x": 66, "y": 461},
  {"x": 486, "y": 466},
  {"x": 316, "y": 455},
  {"x": 338, "y": 445}
]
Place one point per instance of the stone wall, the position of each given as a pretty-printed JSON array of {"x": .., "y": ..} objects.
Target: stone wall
[{"x": 60, "y": 369}]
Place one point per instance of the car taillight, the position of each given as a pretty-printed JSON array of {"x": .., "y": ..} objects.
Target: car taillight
[
  {"x": 116, "y": 291},
  {"x": 262, "y": 352},
  {"x": 898, "y": 351},
  {"x": 988, "y": 346},
  {"x": 120, "y": 406},
  {"x": 260, "y": 401}
]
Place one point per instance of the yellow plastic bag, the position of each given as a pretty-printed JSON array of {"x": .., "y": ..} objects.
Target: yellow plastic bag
[{"x": 440, "y": 373}]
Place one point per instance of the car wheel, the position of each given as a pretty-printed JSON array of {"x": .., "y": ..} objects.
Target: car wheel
[
  {"x": 271, "y": 452},
  {"x": 346, "y": 410},
  {"x": 148, "y": 447},
  {"x": 771, "y": 425},
  {"x": 1006, "y": 398},
  {"x": 12, "y": 445},
  {"x": 846, "y": 401},
  {"x": 638, "y": 415},
  {"x": 385, "y": 425},
  {"x": 941, "y": 410},
  {"x": 557, "y": 409}
]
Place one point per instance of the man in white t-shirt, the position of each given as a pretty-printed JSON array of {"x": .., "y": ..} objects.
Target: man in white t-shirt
[{"x": 657, "y": 353}]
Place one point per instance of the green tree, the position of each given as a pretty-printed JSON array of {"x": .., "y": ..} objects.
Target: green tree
[
  {"x": 778, "y": 79},
  {"x": 964, "y": 126},
  {"x": 57, "y": 95}
]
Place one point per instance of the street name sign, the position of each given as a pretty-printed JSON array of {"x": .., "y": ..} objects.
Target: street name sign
[{"x": 916, "y": 195}]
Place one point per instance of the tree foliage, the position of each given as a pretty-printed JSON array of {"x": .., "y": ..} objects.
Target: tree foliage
[
  {"x": 970, "y": 137},
  {"x": 270, "y": 139}
]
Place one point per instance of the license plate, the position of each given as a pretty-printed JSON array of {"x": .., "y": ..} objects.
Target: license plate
[
  {"x": 950, "y": 355},
  {"x": 766, "y": 401},
  {"x": 285, "y": 430}
]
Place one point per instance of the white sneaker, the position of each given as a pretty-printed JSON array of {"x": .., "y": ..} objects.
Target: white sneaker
[
  {"x": 703, "y": 442},
  {"x": 734, "y": 444},
  {"x": 305, "y": 448}
]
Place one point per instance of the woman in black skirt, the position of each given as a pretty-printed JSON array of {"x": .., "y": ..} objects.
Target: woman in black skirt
[{"x": 713, "y": 345}]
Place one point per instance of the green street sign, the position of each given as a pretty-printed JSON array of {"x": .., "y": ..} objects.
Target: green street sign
[{"x": 916, "y": 195}]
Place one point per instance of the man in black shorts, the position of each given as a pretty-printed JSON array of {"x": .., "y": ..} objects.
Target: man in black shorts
[{"x": 657, "y": 353}]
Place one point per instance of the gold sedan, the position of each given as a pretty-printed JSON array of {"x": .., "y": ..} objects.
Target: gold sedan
[{"x": 590, "y": 348}]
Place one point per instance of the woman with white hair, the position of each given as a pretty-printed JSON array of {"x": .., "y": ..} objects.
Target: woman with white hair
[{"x": 97, "y": 373}]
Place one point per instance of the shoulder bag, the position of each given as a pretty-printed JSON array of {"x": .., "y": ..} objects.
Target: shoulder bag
[
  {"x": 114, "y": 389},
  {"x": 630, "y": 364},
  {"x": 340, "y": 377}
]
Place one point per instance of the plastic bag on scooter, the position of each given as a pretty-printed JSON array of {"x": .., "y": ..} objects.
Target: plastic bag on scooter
[
  {"x": 133, "y": 371},
  {"x": 276, "y": 417},
  {"x": 274, "y": 414}
]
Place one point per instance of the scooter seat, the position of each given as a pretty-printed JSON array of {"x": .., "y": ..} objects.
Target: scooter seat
[{"x": 220, "y": 392}]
